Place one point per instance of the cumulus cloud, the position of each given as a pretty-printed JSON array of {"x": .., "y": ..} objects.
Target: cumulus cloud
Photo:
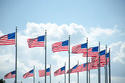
[{"x": 118, "y": 49}]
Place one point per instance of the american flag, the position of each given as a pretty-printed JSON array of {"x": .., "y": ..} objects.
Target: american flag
[
  {"x": 60, "y": 46},
  {"x": 29, "y": 74},
  {"x": 92, "y": 52},
  {"x": 8, "y": 39},
  {"x": 60, "y": 71},
  {"x": 94, "y": 65},
  {"x": 73, "y": 69},
  {"x": 79, "y": 48},
  {"x": 95, "y": 61},
  {"x": 42, "y": 72},
  {"x": 102, "y": 52},
  {"x": 107, "y": 57},
  {"x": 102, "y": 56},
  {"x": 36, "y": 42},
  {"x": 83, "y": 67},
  {"x": 10, "y": 75}
]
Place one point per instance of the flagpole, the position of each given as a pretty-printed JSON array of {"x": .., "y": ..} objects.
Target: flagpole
[
  {"x": 106, "y": 80},
  {"x": 50, "y": 73},
  {"x": 89, "y": 73},
  {"x": 69, "y": 58},
  {"x": 34, "y": 74},
  {"x": 109, "y": 67},
  {"x": 45, "y": 52},
  {"x": 78, "y": 74},
  {"x": 16, "y": 57},
  {"x": 87, "y": 62},
  {"x": 65, "y": 74},
  {"x": 99, "y": 77}
]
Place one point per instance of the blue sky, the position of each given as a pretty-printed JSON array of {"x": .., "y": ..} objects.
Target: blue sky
[
  {"x": 86, "y": 12},
  {"x": 99, "y": 20}
]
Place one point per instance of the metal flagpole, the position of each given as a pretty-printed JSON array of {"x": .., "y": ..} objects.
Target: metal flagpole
[
  {"x": 109, "y": 67},
  {"x": 106, "y": 80},
  {"x": 16, "y": 56},
  {"x": 34, "y": 74},
  {"x": 50, "y": 73},
  {"x": 78, "y": 74},
  {"x": 69, "y": 58},
  {"x": 87, "y": 62},
  {"x": 105, "y": 73},
  {"x": 65, "y": 74},
  {"x": 45, "y": 52},
  {"x": 99, "y": 77},
  {"x": 89, "y": 73}
]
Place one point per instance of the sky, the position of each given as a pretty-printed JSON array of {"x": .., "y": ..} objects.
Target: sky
[{"x": 99, "y": 20}]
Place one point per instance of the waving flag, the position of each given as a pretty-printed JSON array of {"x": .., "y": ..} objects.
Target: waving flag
[
  {"x": 102, "y": 52},
  {"x": 10, "y": 75},
  {"x": 73, "y": 70},
  {"x": 79, "y": 48},
  {"x": 83, "y": 67},
  {"x": 29, "y": 74},
  {"x": 60, "y": 71},
  {"x": 60, "y": 46},
  {"x": 94, "y": 65},
  {"x": 107, "y": 56},
  {"x": 92, "y": 52},
  {"x": 95, "y": 61},
  {"x": 103, "y": 60},
  {"x": 36, "y": 42},
  {"x": 8, "y": 39},
  {"x": 42, "y": 72},
  {"x": 102, "y": 56}
]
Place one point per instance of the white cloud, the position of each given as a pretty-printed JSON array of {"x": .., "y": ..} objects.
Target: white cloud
[
  {"x": 97, "y": 32},
  {"x": 100, "y": 31},
  {"x": 118, "y": 49},
  {"x": 6, "y": 62}
]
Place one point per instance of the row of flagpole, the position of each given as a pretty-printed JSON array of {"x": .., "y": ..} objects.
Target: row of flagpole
[
  {"x": 87, "y": 72},
  {"x": 34, "y": 66}
]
